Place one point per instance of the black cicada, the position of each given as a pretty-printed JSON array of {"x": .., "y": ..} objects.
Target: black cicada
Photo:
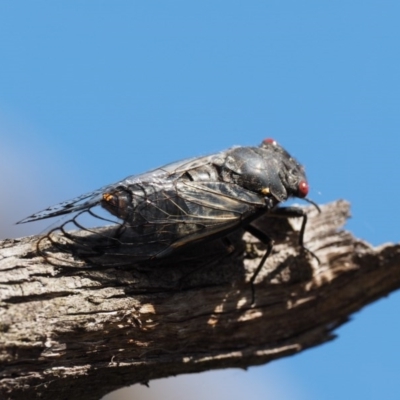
[{"x": 151, "y": 215}]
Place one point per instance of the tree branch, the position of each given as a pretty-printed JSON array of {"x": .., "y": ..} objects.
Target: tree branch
[{"x": 69, "y": 330}]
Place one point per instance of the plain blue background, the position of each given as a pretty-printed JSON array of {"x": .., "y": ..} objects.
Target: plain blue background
[{"x": 93, "y": 91}]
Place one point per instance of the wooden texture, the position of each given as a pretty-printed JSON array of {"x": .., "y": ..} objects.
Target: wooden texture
[{"x": 80, "y": 331}]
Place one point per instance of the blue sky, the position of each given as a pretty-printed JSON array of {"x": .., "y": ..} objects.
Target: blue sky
[{"x": 93, "y": 91}]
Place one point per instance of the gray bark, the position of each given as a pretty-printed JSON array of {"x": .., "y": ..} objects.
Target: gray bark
[{"x": 75, "y": 331}]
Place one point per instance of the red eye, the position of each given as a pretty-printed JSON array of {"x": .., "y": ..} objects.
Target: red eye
[
  {"x": 303, "y": 189},
  {"x": 269, "y": 141}
]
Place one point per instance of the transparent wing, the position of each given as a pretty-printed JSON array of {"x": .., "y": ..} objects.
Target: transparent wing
[
  {"x": 164, "y": 218},
  {"x": 88, "y": 200},
  {"x": 150, "y": 215},
  {"x": 81, "y": 202}
]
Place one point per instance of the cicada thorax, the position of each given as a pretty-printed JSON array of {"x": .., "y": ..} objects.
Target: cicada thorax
[{"x": 254, "y": 169}]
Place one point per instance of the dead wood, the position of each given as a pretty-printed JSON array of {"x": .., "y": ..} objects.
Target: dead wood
[{"x": 74, "y": 330}]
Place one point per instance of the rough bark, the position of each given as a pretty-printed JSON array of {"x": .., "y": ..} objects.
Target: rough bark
[{"x": 79, "y": 332}]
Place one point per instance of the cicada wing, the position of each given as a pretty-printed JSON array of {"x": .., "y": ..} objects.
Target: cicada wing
[
  {"x": 215, "y": 209},
  {"x": 166, "y": 215},
  {"x": 223, "y": 196},
  {"x": 166, "y": 211},
  {"x": 188, "y": 212},
  {"x": 88, "y": 200},
  {"x": 82, "y": 202}
]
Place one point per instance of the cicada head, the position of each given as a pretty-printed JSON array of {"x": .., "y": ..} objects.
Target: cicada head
[{"x": 290, "y": 173}]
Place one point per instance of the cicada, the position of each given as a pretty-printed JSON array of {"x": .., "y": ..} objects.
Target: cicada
[{"x": 157, "y": 213}]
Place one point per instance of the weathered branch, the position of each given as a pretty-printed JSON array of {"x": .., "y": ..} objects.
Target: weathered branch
[{"x": 73, "y": 332}]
